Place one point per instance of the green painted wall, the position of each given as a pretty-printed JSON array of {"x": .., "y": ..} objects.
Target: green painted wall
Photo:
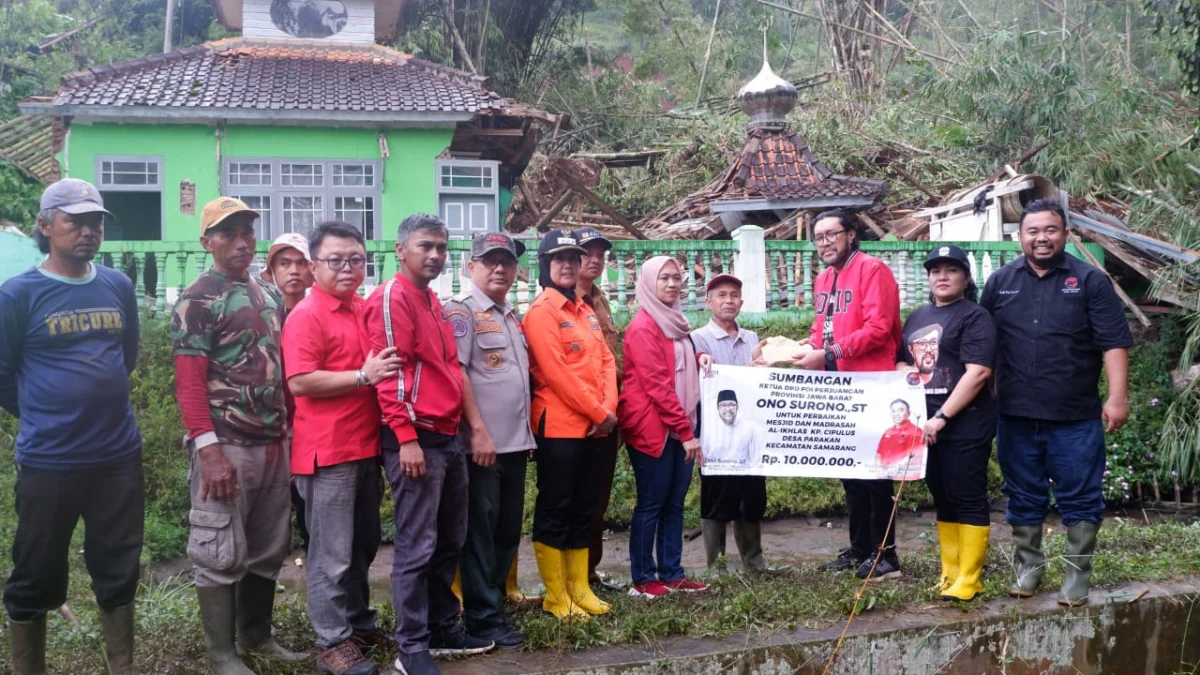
[{"x": 189, "y": 152}]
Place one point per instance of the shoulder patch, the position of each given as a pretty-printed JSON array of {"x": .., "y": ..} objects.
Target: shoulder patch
[
  {"x": 459, "y": 320},
  {"x": 593, "y": 322},
  {"x": 566, "y": 324}
]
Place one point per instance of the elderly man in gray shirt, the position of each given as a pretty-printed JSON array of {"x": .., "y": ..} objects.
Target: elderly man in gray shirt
[
  {"x": 496, "y": 396},
  {"x": 741, "y": 499}
]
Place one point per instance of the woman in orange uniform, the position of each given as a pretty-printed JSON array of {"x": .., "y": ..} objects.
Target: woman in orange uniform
[{"x": 574, "y": 405}]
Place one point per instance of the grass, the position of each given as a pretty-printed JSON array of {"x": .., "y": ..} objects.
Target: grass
[{"x": 170, "y": 638}]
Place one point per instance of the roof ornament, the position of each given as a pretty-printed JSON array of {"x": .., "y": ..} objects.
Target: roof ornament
[{"x": 767, "y": 98}]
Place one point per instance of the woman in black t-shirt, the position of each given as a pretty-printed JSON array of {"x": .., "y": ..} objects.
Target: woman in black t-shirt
[{"x": 949, "y": 345}]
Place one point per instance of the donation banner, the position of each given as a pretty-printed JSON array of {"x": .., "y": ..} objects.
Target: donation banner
[{"x": 783, "y": 422}]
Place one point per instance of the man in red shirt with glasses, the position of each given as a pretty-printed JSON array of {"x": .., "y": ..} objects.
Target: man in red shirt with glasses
[{"x": 335, "y": 447}]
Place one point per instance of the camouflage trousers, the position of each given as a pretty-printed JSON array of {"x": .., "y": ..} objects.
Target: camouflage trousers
[{"x": 253, "y": 533}]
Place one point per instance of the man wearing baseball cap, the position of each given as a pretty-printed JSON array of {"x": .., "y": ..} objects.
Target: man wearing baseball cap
[
  {"x": 496, "y": 399},
  {"x": 68, "y": 342},
  {"x": 595, "y": 248},
  {"x": 740, "y": 499},
  {"x": 288, "y": 268},
  {"x": 229, "y": 382}
]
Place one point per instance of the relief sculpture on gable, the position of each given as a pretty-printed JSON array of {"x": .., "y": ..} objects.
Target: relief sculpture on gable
[{"x": 309, "y": 18}]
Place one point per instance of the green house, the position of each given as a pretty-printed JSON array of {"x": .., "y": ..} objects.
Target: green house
[{"x": 304, "y": 117}]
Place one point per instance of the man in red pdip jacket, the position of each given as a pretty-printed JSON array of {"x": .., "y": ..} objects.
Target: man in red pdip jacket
[
  {"x": 856, "y": 328},
  {"x": 425, "y": 461}
]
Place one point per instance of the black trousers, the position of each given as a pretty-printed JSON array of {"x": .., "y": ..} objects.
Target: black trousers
[
  {"x": 956, "y": 474},
  {"x": 729, "y": 498},
  {"x": 870, "y": 505},
  {"x": 568, "y": 485},
  {"x": 607, "y": 469},
  {"x": 49, "y": 504},
  {"x": 496, "y": 507}
]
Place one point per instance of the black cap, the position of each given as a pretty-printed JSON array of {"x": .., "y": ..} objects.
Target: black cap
[
  {"x": 948, "y": 253},
  {"x": 484, "y": 243},
  {"x": 587, "y": 235},
  {"x": 557, "y": 240},
  {"x": 727, "y": 395}
]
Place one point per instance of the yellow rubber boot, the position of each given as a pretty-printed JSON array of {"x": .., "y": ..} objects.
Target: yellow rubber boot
[
  {"x": 512, "y": 590},
  {"x": 949, "y": 546},
  {"x": 456, "y": 587},
  {"x": 577, "y": 583},
  {"x": 552, "y": 565},
  {"x": 972, "y": 547}
]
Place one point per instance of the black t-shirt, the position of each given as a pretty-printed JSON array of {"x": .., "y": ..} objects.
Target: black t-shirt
[{"x": 940, "y": 341}]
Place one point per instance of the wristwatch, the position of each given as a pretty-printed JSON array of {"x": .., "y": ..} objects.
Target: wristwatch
[{"x": 941, "y": 415}]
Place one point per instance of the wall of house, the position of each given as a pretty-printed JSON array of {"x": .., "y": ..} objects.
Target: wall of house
[{"x": 189, "y": 154}]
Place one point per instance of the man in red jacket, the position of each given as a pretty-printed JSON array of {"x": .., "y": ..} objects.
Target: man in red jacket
[
  {"x": 426, "y": 464},
  {"x": 856, "y": 327}
]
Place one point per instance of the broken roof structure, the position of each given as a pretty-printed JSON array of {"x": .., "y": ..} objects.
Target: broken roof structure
[{"x": 773, "y": 176}]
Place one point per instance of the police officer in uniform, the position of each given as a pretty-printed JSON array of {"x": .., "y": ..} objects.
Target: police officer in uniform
[{"x": 495, "y": 366}]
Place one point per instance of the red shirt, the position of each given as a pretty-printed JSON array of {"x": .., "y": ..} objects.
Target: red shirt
[
  {"x": 428, "y": 393},
  {"x": 649, "y": 408},
  {"x": 897, "y": 442},
  {"x": 866, "y": 314},
  {"x": 325, "y": 333}
]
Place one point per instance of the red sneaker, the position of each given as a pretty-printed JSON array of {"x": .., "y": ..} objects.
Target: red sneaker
[
  {"x": 650, "y": 591},
  {"x": 685, "y": 585}
]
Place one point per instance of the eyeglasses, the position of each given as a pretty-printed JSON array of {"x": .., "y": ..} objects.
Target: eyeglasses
[
  {"x": 338, "y": 264},
  {"x": 827, "y": 238},
  {"x": 924, "y": 345}
]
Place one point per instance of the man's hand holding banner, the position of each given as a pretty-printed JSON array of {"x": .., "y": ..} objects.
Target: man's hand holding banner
[{"x": 785, "y": 422}]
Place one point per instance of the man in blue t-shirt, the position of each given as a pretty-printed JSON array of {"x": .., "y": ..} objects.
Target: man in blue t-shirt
[{"x": 68, "y": 341}]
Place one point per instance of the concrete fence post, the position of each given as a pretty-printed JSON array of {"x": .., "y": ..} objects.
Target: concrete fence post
[{"x": 751, "y": 267}]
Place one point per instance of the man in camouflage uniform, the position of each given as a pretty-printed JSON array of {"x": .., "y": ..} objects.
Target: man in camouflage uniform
[{"x": 229, "y": 383}]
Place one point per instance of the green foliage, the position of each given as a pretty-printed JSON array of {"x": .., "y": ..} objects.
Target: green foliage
[
  {"x": 19, "y": 196},
  {"x": 1133, "y": 451}
]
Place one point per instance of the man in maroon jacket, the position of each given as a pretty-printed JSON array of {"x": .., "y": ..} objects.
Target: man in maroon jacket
[
  {"x": 856, "y": 327},
  {"x": 425, "y": 462}
]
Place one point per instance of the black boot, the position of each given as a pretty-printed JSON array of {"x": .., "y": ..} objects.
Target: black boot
[
  {"x": 714, "y": 543},
  {"x": 748, "y": 536},
  {"x": 1031, "y": 562},
  {"x": 27, "y": 641},
  {"x": 117, "y": 627},
  {"x": 255, "y": 605},
  {"x": 217, "y": 614}
]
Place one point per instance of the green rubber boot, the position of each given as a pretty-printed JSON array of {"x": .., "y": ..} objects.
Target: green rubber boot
[
  {"x": 217, "y": 614},
  {"x": 1031, "y": 562},
  {"x": 255, "y": 605},
  {"x": 116, "y": 625},
  {"x": 1081, "y": 544},
  {"x": 27, "y": 642}
]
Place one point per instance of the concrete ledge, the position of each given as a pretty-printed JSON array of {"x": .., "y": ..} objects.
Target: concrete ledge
[{"x": 1116, "y": 635}]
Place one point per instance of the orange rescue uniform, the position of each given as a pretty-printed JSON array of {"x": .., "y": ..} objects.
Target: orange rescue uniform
[{"x": 574, "y": 373}]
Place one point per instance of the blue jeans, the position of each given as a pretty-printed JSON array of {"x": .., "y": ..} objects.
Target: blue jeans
[
  {"x": 662, "y": 485},
  {"x": 1035, "y": 453}
]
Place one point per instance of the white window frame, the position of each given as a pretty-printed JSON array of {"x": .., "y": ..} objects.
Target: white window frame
[
  {"x": 155, "y": 160},
  {"x": 448, "y": 193},
  {"x": 276, "y": 191}
]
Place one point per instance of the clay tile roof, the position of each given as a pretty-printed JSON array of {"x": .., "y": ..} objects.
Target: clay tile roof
[
  {"x": 777, "y": 164},
  {"x": 242, "y": 73},
  {"x": 773, "y": 164}
]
